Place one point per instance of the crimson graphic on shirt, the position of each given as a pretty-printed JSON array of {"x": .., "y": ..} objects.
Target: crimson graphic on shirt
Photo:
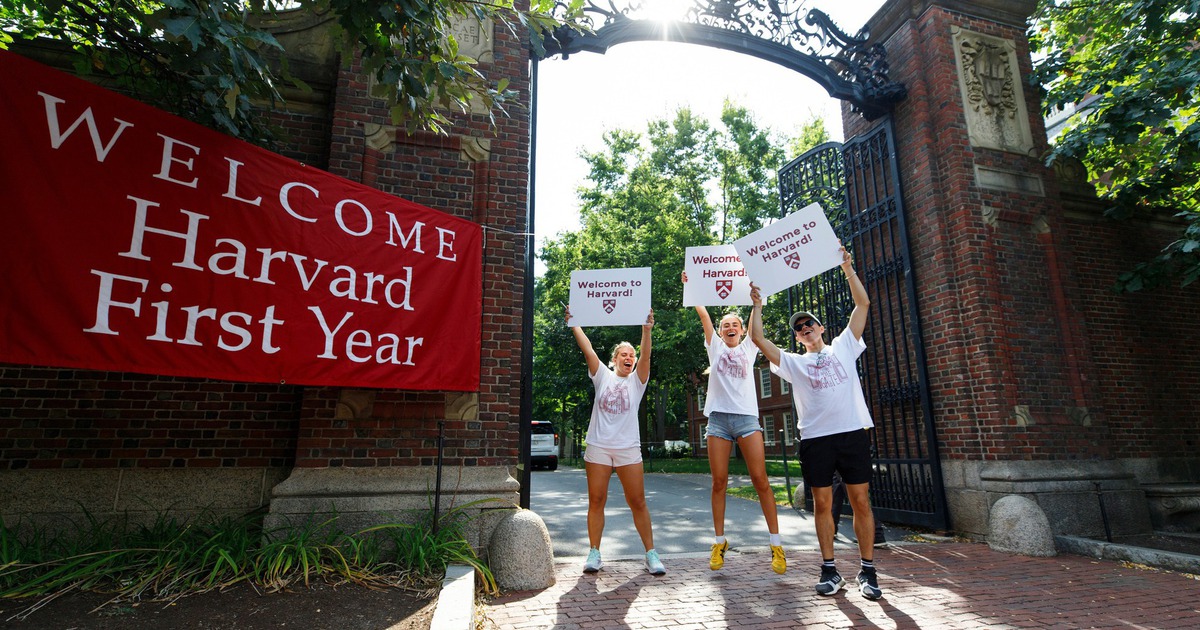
[
  {"x": 615, "y": 400},
  {"x": 733, "y": 364},
  {"x": 826, "y": 374}
]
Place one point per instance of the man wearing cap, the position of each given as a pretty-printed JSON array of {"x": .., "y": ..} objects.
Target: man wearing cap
[{"x": 834, "y": 423}]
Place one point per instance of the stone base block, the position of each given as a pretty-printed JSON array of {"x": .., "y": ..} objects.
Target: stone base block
[
  {"x": 66, "y": 499},
  {"x": 353, "y": 499},
  {"x": 1077, "y": 497},
  {"x": 1174, "y": 507}
]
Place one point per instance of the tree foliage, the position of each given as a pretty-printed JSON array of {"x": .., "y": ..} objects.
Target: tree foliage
[
  {"x": 210, "y": 60},
  {"x": 1141, "y": 140},
  {"x": 648, "y": 197}
]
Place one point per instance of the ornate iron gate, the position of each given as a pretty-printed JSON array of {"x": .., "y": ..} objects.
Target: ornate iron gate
[{"x": 858, "y": 185}]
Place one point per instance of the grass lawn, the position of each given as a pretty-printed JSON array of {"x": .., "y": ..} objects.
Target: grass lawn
[
  {"x": 775, "y": 467},
  {"x": 748, "y": 492}
]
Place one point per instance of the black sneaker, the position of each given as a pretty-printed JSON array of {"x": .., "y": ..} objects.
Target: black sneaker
[
  {"x": 831, "y": 582},
  {"x": 868, "y": 585}
]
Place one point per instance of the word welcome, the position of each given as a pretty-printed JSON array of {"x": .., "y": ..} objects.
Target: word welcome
[
  {"x": 182, "y": 251},
  {"x": 784, "y": 243}
]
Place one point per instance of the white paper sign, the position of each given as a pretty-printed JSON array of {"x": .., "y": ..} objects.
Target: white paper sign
[
  {"x": 790, "y": 251},
  {"x": 715, "y": 277},
  {"x": 610, "y": 297}
]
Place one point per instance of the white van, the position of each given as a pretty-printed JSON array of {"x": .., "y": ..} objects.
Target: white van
[{"x": 543, "y": 445}]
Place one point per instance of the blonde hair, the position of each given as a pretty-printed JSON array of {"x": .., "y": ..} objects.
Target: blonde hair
[
  {"x": 612, "y": 361},
  {"x": 731, "y": 314}
]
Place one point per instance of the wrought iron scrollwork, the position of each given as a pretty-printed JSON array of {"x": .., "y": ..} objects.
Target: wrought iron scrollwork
[{"x": 848, "y": 66}]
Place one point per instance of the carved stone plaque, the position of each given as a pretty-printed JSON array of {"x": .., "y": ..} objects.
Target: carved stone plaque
[
  {"x": 474, "y": 38},
  {"x": 992, "y": 92}
]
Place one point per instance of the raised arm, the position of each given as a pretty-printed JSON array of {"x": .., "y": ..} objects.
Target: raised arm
[
  {"x": 768, "y": 349},
  {"x": 702, "y": 311},
  {"x": 858, "y": 317},
  {"x": 643, "y": 364},
  {"x": 585, "y": 344}
]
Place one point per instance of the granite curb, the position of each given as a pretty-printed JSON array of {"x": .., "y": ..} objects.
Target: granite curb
[{"x": 455, "y": 608}]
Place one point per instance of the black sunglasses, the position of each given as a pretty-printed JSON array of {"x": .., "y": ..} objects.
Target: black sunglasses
[{"x": 808, "y": 323}]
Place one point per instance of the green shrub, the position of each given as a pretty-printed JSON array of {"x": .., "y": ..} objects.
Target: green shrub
[{"x": 168, "y": 559}]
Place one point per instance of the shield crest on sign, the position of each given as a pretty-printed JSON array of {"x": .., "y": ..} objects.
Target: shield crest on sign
[
  {"x": 792, "y": 260},
  {"x": 724, "y": 288},
  {"x": 610, "y": 306}
]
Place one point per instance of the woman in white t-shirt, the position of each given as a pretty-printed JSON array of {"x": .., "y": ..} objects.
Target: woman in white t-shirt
[
  {"x": 614, "y": 442},
  {"x": 731, "y": 405}
]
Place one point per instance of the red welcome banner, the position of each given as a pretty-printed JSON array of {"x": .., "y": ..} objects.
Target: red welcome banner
[{"x": 134, "y": 240}]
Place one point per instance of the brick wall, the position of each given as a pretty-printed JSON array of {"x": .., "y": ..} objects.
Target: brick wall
[
  {"x": 62, "y": 419},
  {"x": 1143, "y": 345}
]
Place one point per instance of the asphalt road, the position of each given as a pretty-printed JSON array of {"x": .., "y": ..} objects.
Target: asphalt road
[{"x": 680, "y": 512}]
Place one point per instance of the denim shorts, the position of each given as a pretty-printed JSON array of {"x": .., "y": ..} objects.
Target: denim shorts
[
  {"x": 731, "y": 426},
  {"x": 615, "y": 457}
]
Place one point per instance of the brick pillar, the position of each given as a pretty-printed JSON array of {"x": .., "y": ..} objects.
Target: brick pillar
[
  {"x": 370, "y": 455},
  {"x": 1008, "y": 364}
]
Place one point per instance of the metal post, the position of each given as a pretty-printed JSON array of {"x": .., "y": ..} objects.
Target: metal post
[
  {"x": 787, "y": 475},
  {"x": 437, "y": 492},
  {"x": 1103, "y": 512},
  {"x": 525, "y": 430}
]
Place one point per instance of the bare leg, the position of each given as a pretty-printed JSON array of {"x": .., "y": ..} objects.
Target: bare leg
[
  {"x": 634, "y": 485},
  {"x": 597, "y": 482},
  {"x": 823, "y": 516},
  {"x": 864, "y": 519},
  {"x": 755, "y": 454},
  {"x": 718, "y": 463}
]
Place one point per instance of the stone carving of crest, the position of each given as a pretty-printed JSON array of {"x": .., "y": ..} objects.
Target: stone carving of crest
[
  {"x": 992, "y": 94},
  {"x": 989, "y": 77}
]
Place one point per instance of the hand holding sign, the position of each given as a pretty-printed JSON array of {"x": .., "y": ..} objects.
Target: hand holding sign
[
  {"x": 609, "y": 297},
  {"x": 790, "y": 251}
]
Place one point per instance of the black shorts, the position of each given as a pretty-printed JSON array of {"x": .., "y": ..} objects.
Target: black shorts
[{"x": 847, "y": 453}]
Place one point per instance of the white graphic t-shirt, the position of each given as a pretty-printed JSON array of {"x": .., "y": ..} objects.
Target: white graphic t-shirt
[
  {"x": 614, "y": 412},
  {"x": 829, "y": 397},
  {"x": 731, "y": 378}
]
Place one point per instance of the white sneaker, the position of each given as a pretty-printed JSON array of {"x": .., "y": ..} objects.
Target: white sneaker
[
  {"x": 593, "y": 562},
  {"x": 653, "y": 564}
]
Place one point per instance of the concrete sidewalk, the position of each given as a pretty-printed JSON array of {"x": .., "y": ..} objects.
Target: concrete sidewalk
[{"x": 926, "y": 585}]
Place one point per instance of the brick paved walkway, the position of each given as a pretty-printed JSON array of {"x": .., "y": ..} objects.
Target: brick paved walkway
[{"x": 935, "y": 585}]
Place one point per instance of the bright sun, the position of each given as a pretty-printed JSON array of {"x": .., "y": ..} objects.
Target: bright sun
[{"x": 663, "y": 10}]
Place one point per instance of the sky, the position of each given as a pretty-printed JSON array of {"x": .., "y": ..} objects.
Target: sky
[{"x": 578, "y": 99}]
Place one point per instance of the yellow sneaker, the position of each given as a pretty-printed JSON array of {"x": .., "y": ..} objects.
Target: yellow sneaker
[
  {"x": 717, "y": 559},
  {"x": 778, "y": 560}
]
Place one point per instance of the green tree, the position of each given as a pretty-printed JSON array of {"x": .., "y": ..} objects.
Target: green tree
[
  {"x": 646, "y": 199},
  {"x": 1141, "y": 139},
  {"x": 812, "y": 135},
  {"x": 749, "y": 157},
  {"x": 211, "y": 60}
]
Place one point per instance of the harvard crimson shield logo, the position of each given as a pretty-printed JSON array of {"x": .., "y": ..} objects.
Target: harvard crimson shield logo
[
  {"x": 610, "y": 306},
  {"x": 792, "y": 260},
  {"x": 724, "y": 288}
]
